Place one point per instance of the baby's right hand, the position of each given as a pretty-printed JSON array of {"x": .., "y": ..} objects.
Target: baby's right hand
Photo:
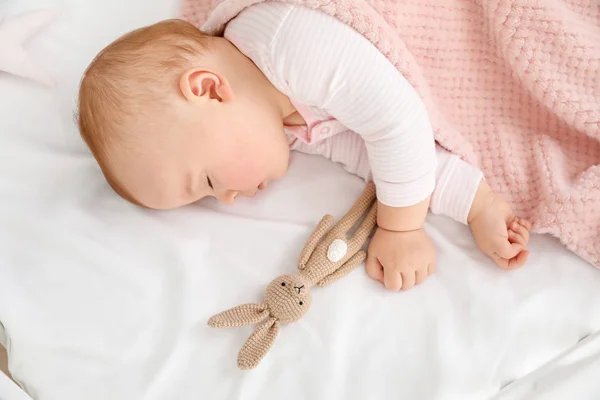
[{"x": 400, "y": 260}]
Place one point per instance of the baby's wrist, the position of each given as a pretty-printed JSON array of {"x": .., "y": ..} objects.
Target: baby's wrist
[
  {"x": 402, "y": 219},
  {"x": 400, "y": 231},
  {"x": 482, "y": 196}
]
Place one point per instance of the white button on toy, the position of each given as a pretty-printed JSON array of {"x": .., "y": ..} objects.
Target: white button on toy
[{"x": 337, "y": 250}]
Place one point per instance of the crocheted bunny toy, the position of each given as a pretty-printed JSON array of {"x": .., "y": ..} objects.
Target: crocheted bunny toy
[{"x": 329, "y": 254}]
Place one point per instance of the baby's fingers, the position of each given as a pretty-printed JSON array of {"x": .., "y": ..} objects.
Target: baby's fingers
[
  {"x": 431, "y": 268},
  {"x": 516, "y": 262},
  {"x": 374, "y": 269},
  {"x": 525, "y": 223},
  {"x": 518, "y": 233},
  {"x": 513, "y": 263},
  {"x": 408, "y": 280},
  {"x": 519, "y": 260},
  {"x": 421, "y": 275},
  {"x": 510, "y": 255},
  {"x": 507, "y": 250},
  {"x": 518, "y": 237},
  {"x": 392, "y": 280}
]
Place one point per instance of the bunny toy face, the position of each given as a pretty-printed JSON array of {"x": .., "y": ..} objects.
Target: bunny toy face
[{"x": 289, "y": 297}]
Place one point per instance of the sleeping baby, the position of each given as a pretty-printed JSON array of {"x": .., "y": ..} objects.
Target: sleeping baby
[{"x": 173, "y": 115}]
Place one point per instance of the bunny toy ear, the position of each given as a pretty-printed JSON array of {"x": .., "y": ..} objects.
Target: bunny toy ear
[
  {"x": 258, "y": 344},
  {"x": 246, "y": 314}
]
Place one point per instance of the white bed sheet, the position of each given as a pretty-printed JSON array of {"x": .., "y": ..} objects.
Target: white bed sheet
[
  {"x": 571, "y": 375},
  {"x": 102, "y": 300}
]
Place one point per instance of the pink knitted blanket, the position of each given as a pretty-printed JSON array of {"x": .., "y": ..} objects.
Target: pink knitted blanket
[{"x": 512, "y": 86}]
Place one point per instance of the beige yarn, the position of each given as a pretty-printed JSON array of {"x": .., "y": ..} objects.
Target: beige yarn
[{"x": 288, "y": 297}]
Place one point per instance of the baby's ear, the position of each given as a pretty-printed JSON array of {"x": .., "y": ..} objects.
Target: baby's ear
[
  {"x": 198, "y": 84},
  {"x": 258, "y": 344},
  {"x": 246, "y": 314}
]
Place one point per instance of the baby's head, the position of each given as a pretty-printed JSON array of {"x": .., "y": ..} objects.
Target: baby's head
[{"x": 173, "y": 115}]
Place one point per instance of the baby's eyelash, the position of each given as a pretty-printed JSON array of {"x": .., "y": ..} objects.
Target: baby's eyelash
[{"x": 209, "y": 182}]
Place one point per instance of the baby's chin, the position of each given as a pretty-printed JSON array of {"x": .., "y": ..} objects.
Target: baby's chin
[{"x": 280, "y": 174}]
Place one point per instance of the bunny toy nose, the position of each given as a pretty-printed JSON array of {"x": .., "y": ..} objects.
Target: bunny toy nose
[{"x": 299, "y": 288}]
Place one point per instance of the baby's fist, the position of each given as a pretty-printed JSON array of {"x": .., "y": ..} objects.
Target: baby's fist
[{"x": 400, "y": 260}]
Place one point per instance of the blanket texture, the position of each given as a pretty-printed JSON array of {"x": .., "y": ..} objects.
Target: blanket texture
[{"x": 511, "y": 86}]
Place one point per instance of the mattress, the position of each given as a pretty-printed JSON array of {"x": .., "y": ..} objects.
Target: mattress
[{"x": 103, "y": 300}]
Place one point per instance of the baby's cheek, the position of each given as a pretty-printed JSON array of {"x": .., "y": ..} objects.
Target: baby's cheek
[{"x": 242, "y": 172}]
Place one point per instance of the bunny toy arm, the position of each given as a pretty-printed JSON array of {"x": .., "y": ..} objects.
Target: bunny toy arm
[
  {"x": 344, "y": 270},
  {"x": 335, "y": 248},
  {"x": 360, "y": 207},
  {"x": 321, "y": 230},
  {"x": 357, "y": 240},
  {"x": 365, "y": 229}
]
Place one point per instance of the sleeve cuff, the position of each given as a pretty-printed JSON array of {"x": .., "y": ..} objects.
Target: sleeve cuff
[
  {"x": 405, "y": 194},
  {"x": 456, "y": 186}
]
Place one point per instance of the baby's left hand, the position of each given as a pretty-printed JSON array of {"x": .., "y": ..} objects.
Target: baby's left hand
[
  {"x": 497, "y": 231},
  {"x": 400, "y": 259}
]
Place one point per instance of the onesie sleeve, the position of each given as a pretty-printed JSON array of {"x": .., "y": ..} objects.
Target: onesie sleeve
[{"x": 322, "y": 62}]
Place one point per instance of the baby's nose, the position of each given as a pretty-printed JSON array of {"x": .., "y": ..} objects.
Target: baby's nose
[{"x": 228, "y": 197}]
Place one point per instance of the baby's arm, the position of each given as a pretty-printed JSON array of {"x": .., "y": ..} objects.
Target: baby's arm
[
  {"x": 348, "y": 77},
  {"x": 456, "y": 181},
  {"x": 327, "y": 64}
]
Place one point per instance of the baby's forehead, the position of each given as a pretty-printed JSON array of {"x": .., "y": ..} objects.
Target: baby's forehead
[{"x": 150, "y": 186}]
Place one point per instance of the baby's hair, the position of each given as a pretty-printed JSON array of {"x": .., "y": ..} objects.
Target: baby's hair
[{"x": 130, "y": 78}]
